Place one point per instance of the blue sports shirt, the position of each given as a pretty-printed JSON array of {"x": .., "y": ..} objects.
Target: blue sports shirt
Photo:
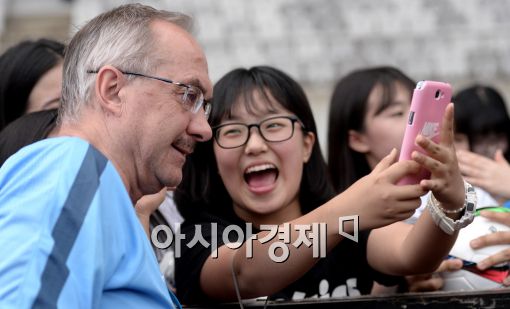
[{"x": 70, "y": 237}]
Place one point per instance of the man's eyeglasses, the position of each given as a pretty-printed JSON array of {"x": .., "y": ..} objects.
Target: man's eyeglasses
[
  {"x": 274, "y": 129},
  {"x": 192, "y": 99}
]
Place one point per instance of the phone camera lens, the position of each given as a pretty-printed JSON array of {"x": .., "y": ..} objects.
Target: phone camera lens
[{"x": 438, "y": 95}]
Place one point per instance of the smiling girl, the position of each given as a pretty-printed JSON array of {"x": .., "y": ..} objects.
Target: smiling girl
[{"x": 264, "y": 167}]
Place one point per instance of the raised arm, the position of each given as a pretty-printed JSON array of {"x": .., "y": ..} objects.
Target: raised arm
[
  {"x": 411, "y": 249},
  {"x": 374, "y": 198}
]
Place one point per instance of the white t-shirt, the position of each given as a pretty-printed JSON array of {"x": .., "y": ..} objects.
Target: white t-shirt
[{"x": 169, "y": 210}]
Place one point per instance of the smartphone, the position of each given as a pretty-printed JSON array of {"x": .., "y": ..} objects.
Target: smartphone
[{"x": 428, "y": 105}]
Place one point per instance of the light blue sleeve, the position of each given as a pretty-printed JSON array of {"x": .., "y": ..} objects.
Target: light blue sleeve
[
  {"x": 70, "y": 235},
  {"x": 31, "y": 199}
]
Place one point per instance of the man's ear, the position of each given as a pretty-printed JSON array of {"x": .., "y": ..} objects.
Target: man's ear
[
  {"x": 357, "y": 142},
  {"x": 109, "y": 82}
]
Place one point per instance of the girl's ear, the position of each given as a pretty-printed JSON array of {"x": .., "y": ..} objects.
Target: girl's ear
[
  {"x": 308, "y": 142},
  {"x": 357, "y": 142}
]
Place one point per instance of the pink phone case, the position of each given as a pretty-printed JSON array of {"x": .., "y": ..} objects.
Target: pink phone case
[{"x": 428, "y": 105}]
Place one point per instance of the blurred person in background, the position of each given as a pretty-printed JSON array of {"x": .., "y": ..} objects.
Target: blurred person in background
[
  {"x": 25, "y": 130},
  {"x": 30, "y": 79},
  {"x": 482, "y": 136},
  {"x": 483, "y": 143}
]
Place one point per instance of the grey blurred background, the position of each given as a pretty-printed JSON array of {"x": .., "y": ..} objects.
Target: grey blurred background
[{"x": 315, "y": 41}]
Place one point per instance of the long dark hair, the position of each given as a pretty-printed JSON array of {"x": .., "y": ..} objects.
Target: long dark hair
[
  {"x": 481, "y": 110},
  {"x": 25, "y": 130},
  {"x": 202, "y": 187},
  {"x": 21, "y": 66},
  {"x": 347, "y": 112}
]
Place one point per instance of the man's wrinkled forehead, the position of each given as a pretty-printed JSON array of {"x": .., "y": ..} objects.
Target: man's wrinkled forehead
[{"x": 180, "y": 52}]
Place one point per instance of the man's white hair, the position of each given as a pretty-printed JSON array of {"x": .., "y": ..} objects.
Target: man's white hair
[{"x": 122, "y": 38}]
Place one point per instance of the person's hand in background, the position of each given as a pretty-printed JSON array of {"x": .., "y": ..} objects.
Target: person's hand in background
[
  {"x": 491, "y": 175},
  {"x": 497, "y": 238}
]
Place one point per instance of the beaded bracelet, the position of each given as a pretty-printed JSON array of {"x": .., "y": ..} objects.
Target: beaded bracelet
[
  {"x": 448, "y": 225},
  {"x": 467, "y": 188}
]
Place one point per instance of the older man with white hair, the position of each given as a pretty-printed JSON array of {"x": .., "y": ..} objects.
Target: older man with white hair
[{"x": 134, "y": 103}]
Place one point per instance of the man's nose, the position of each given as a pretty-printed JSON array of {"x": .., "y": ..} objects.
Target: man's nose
[{"x": 199, "y": 128}]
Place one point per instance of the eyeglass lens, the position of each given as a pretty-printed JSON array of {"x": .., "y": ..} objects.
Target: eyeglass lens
[{"x": 276, "y": 129}]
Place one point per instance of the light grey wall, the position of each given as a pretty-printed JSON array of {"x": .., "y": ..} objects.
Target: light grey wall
[{"x": 318, "y": 41}]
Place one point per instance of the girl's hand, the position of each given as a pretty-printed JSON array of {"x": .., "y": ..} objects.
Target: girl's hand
[
  {"x": 379, "y": 200},
  {"x": 146, "y": 205},
  {"x": 446, "y": 181}
]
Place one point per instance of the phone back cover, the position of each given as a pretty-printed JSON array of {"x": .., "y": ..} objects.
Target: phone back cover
[{"x": 425, "y": 118}]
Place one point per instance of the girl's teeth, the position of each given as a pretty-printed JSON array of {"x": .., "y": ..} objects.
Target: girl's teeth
[{"x": 259, "y": 168}]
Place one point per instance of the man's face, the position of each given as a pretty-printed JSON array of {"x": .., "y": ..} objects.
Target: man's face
[{"x": 159, "y": 130}]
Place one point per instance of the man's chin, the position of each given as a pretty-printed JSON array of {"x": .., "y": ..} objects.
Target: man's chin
[{"x": 172, "y": 183}]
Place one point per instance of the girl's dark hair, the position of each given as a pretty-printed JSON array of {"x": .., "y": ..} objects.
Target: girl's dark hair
[
  {"x": 347, "y": 112},
  {"x": 27, "y": 129},
  {"x": 481, "y": 110},
  {"x": 202, "y": 187},
  {"x": 21, "y": 66}
]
